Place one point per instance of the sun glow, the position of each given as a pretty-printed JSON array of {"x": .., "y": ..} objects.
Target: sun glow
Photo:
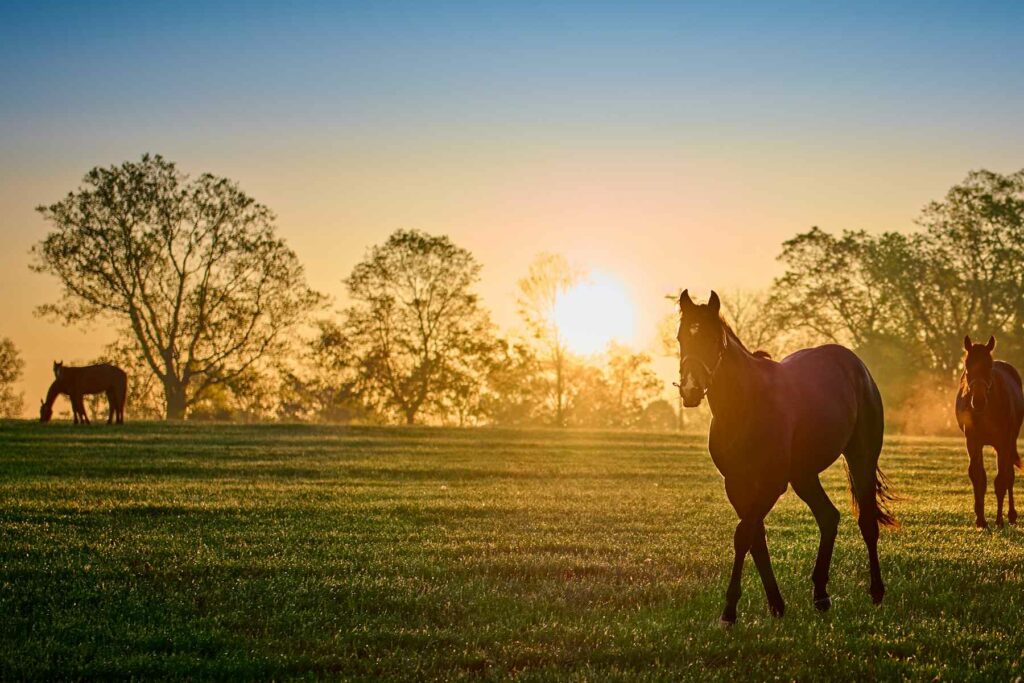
[{"x": 594, "y": 313}]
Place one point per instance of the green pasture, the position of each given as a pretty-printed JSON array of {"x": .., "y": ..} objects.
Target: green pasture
[{"x": 273, "y": 551}]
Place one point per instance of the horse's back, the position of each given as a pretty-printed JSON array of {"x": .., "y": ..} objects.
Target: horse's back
[
  {"x": 1009, "y": 371},
  {"x": 95, "y": 378},
  {"x": 1014, "y": 390},
  {"x": 833, "y": 399}
]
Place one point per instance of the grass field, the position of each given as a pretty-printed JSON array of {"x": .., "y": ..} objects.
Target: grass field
[{"x": 218, "y": 551}]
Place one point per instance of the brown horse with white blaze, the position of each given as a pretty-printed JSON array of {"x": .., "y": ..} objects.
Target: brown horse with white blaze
[
  {"x": 780, "y": 424},
  {"x": 989, "y": 411},
  {"x": 76, "y": 383}
]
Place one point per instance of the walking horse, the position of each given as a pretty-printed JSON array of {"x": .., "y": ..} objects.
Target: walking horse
[{"x": 779, "y": 424}]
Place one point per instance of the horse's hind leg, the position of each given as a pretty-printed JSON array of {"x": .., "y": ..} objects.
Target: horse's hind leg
[
  {"x": 827, "y": 516},
  {"x": 862, "y": 461},
  {"x": 1011, "y": 464},
  {"x": 111, "y": 401},
  {"x": 1004, "y": 482}
]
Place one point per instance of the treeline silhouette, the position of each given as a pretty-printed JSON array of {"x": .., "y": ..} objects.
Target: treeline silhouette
[{"x": 218, "y": 322}]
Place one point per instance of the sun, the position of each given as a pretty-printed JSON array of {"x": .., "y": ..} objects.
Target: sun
[{"x": 594, "y": 313}]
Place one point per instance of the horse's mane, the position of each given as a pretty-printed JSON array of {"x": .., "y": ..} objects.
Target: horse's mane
[{"x": 732, "y": 335}]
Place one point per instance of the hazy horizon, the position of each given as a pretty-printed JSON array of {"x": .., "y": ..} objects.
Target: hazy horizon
[{"x": 662, "y": 146}]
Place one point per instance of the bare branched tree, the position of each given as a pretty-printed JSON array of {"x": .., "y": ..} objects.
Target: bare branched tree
[{"x": 550, "y": 275}]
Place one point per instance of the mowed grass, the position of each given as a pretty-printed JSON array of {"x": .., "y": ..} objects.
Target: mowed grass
[{"x": 275, "y": 551}]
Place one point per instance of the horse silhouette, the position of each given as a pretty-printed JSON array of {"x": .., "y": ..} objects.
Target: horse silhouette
[
  {"x": 76, "y": 383},
  {"x": 779, "y": 424},
  {"x": 989, "y": 411}
]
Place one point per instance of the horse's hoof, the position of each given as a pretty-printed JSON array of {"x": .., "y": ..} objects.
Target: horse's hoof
[
  {"x": 823, "y": 604},
  {"x": 725, "y": 623},
  {"x": 980, "y": 524},
  {"x": 777, "y": 611},
  {"x": 876, "y": 596},
  {"x": 999, "y": 523}
]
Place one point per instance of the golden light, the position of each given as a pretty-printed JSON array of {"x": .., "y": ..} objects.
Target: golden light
[{"x": 594, "y": 313}]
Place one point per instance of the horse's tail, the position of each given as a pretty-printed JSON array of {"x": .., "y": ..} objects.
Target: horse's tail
[{"x": 882, "y": 498}]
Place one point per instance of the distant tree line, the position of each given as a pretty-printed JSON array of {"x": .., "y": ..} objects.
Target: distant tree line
[
  {"x": 905, "y": 300},
  {"x": 219, "y": 323}
]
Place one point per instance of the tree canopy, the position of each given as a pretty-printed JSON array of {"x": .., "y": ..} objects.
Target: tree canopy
[
  {"x": 11, "y": 366},
  {"x": 418, "y": 328},
  {"x": 191, "y": 267}
]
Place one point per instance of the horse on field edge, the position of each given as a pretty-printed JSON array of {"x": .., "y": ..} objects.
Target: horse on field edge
[
  {"x": 76, "y": 383},
  {"x": 989, "y": 411}
]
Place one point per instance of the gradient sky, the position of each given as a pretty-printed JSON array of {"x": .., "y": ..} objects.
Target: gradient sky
[{"x": 668, "y": 144}]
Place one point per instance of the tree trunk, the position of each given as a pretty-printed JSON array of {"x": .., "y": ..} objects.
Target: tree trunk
[
  {"x": 410, "y": 417},
  {"x": 174, "y": 394},
  {"x": 559, "y": 390}
]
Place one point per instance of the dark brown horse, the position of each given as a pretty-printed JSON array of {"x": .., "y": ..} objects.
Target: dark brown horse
[
  {"x": 989, "y": 410},
  {"x": 780, "y": 424},
  {"x": 76, "y": 383}
]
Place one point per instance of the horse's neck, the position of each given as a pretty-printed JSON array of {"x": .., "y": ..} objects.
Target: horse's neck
[
  {"x": 735, "y": 384},
  {"x": 53, "y": 393}
]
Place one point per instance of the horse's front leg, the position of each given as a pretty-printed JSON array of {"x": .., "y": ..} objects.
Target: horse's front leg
[
  {"x": 78, "y": 406},
  {"x": 741, "y": 540},
  {"x": 976, "y": 471},
  {"x": 759, "y": 551}
]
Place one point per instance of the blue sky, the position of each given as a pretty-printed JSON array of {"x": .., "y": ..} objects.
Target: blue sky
[{"x": 448, "y": 65}]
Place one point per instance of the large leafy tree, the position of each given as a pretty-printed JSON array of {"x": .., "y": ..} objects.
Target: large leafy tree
[
  {"x": 910, "y": 297},
  {"x": 192, "y": 266},
  {"x": 422, "y": 338},
  {"x": 11, "y": 366}
]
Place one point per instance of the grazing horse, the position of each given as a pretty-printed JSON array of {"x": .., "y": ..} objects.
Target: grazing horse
[
  {"x": 989, "y": 411},
  {"x": 75, "y": 383},
  {"x": 776, "y": 424}
]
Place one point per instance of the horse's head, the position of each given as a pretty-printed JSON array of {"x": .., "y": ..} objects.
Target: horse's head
[
  {"x": 45, "y": 411},
  {"x": 978, "y": 371},
  {"x": 57, "y": 367},
  {"x": 702, "y": 341}
]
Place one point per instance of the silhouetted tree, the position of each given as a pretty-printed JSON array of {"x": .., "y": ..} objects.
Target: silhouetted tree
[
  {"x": 659, "y": 415},
  {"x": 416, "y": 325},
  {"x": 916, "y": 294},
  {"x": 322, "y": 386},
  {"x": 904, "y": 301},
  {"x": 516, "y": 387},
  {"x": 632, "y": 383},
  {"x": 192, "y": 266},
  {"x": 11, "y": 366},
  {"x": 549, "y": 276}
]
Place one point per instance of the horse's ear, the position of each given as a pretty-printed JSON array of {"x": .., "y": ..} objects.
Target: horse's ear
[
  {"x": 967, "y": 342},
  {"x": 713, "y": 303},
  {"x": 42, "y": 402},
  {"x": 685, "y": 301},
  {"x": 991, "y": 343}
]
